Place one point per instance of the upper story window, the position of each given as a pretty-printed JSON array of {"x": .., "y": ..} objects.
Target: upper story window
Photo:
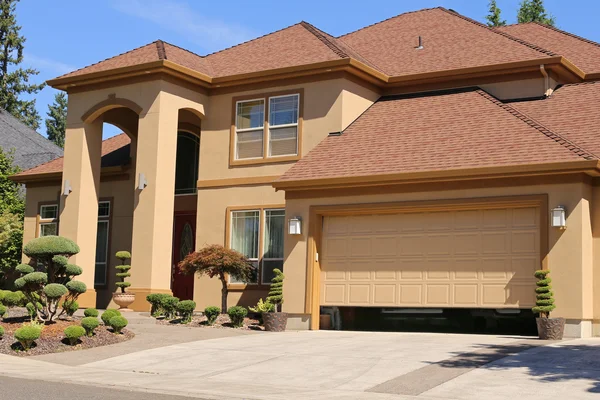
[
  {"x": 267, "y": 129},
  {"x": 186, "y": 163},
  {"x": 48, "y": 220}
]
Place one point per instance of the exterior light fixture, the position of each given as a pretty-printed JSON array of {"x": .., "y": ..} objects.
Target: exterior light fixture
[
  {"x": 142, "y": 182},
  {"x": 295, "y": 226},
  {"x": 559, "y": 220},
  {"x": 67, "y": 188}
]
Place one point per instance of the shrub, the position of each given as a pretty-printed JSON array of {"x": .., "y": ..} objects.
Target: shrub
[
  {"x": 262, "y": 307},
  {"x": 123, "y": 255},
  {"x": 236, "y": 315},
  {"x": 55, "y": 290},
  {"x": 73, "y": 333},
  {"x": 24, "y": 269},
  {"x": 275, "y": 296},
  {"x": 2, "y": 294},
  {"x": 211, "y": 312},
  {"x": 155, "y": 300},
  {"x": 169, "y": 306},
  {"x": 31, "y": 309},
  {"x": 46, "y": 247},
  {"x": 76, "y": 287},
  {"x": 118, "y": 323},
  {"x": 70, "y": 306},
  {"x": 13, "y": 299},
  {"x": 123, "y": 270},
  {"x": 544, "y": 302},
  {"x": 108, "y": 314},
  {"x": 3, "y": 310},
  {"x": 91, "y": 312},
  {"x": 27, "y": 335},
  {"x": 185, "y": 310},
  {"x": 1, "y": 332},
  {"x": 72, "y": 269},
  {"x": 89, "y": 324}
]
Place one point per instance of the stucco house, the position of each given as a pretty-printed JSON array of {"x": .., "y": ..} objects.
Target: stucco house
[{"x": 425, "y": 161}]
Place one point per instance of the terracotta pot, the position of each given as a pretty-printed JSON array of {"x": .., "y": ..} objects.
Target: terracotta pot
[
  {"x": 123, "y": 300},
  {"x": 550, "y": 328},
  {"x": 275, "y": 321},
  {"x": 325, "y": 322}
]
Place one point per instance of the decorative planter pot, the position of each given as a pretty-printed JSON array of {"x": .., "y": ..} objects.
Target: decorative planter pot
[
  {"x": 550, "y": 328},
  {"x": 124, "y": 300},
  {"x": 275, "y": 321},
  {"x": 325, "y": 322}
]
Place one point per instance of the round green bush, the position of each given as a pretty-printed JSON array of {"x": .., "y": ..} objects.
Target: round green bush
[
  {"x": 155, "y": 300},
  {"x": 36, "y": 278},
  {"x": 60, "y": 260},
  {"x": 169, "y": 305},
  {"x": 27, "y": 334},
  {"x": 1, "y": 332},
  {"x": 31, "y": 309},
  {"x": 89, "y": 324},
  {"x": 76, "y": 287},
  {"x": 3, "y": 310},
  {"x": 91, "y": 312},
  {"x": 123, "y": 255},
  {"x": 13, "y": 299},
  {"x": 123, "y": 267},
  {"x": 24, "y": 269},
  {"x": 55, "y": 290},
  {"x": 70, "y": 307},
  {"x": 73, "y": 270},
  {"x": 236, "y": 315},
  {"x": 185, "y": 310},
  {"x": 118, "y": 323},
  {"x": 20, "y": 283},
  {"x": 50, "y": 246},
  {"x": 108, "y": 314},
  {"x": 211, "y": 313},
  {"x": 2, "y": 294},
  {"x": 122, "y": 285},
  {"x": 73, "y": 333}
]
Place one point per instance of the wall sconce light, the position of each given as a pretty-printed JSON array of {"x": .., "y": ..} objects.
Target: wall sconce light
[
  {"x": 67, "y": 188},
  {"x": 142, "y": 182},
  {"x": 559, "y": 219},
  {"x": 295, "y": 226}
]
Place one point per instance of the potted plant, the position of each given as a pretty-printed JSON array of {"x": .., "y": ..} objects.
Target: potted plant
[
  {"x": 276, "y": 320},
  {"x": 548, "y": 328},
  {"x": 123, "y": 298}
]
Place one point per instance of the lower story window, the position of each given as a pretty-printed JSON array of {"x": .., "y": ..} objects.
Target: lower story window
[{"x": 102, "y": 240}]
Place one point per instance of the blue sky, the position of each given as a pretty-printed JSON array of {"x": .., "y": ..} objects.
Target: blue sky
[{"x": 65, "y": 35}]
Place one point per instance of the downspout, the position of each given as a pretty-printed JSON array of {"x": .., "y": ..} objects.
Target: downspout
[{"x": 547, "y": 89}]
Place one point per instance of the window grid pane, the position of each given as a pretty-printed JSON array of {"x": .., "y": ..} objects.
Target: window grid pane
[
  {"x": 283, "y": 110},
  {"x": 249, "y": 144},
  {"x": 283, "y": 141},
  {"x": 104, "y": 209},
  {"x": 101, "y": 253},
  {"x": 49, "y": 212},
  {"x": 245, "y": 227},
  {"x": 48, "y": 229},
  {"x": 273, "y": 244},
  {"x": 250, "y": 114}
]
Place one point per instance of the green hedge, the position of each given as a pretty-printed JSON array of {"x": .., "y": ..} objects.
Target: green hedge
[{"x": 155, "y": 300}]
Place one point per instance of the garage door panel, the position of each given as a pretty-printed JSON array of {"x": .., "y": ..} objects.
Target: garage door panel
[{"x": 463, "y": 258}]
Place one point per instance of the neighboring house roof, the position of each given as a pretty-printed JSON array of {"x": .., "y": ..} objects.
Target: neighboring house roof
[
  {"x": 30, "y": 148},
  {"x": 582, "y": 52},
  {"x": 443, "y": 131},
  {"x": 115, "y": 152}
]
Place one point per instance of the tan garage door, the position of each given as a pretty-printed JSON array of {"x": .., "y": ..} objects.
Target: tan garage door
[{"x": 467, "y": 258}]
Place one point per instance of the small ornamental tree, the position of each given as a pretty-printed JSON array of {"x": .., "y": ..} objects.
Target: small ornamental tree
[
  {"x": 544, "y": 302},
  {"x": 123, "y": 270},
  {"x": 52, "y": 280},
  {"x": 275, "y": 296},
  {"x": 217, "y": 261}
]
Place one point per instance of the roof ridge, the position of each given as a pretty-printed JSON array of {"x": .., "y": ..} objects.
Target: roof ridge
[
  {"x": 553, "y": 28},
  {"x": 506, "y": 35},
  {"x": 106, "y": 59},
  {"x": 388, "y": 19},
  {"x": 319, "y": 34},
  {"x": 187, "y": 51},
  {"x": 160, "y": 49},
  {"x": 558, "y": 138}
]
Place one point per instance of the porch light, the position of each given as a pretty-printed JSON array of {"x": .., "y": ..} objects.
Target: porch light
[
  {"x": 142, "y": 182},
  {"x": 67, "y": 188},
  {"x": 559, "y": 219},
  {"x": 295, "y": 226}
]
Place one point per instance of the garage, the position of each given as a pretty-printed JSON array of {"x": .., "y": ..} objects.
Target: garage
[{"x": 467, "y": 256}]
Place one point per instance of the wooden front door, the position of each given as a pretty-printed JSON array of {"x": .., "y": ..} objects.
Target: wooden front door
[{"x": 184, "y": 242}]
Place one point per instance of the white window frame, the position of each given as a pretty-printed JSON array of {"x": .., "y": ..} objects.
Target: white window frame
[
  {"x": 261, "y": 128},
  {"x": 264, "y": 237},
  {"x": 253, "y": 260},
  {"x": 47, "y": 221},
  {"x": 104, "y": 219},
  {"x": 297, "y": 95}
]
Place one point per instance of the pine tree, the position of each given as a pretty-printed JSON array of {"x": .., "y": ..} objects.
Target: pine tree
[
  {"x": 14, "y": 80},
  {"x": 56, "y": 123},
  {"x": 534, "y": 11},
  {"x": 494, "y": 17}
]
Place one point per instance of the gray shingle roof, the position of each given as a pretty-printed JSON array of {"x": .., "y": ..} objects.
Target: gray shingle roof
[{"x": 30, "y": 148}]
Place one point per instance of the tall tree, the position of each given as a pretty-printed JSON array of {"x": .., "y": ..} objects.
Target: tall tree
[
  {"x": 534, "y": 11},
  {"x": 494, "y": 18},
  {"x": 56, "y": 123},
  {"x": 14, "y": 80}
]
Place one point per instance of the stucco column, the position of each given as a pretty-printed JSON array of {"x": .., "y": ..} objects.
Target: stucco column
[
  {"x": 154, "y": 204},
  {"x": 79, "y": 209}
]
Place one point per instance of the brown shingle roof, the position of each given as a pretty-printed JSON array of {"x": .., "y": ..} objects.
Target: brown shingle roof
[
  {"x": 582, "y": 52},
  {"x": 110, "y": 149},
  {"x": 435, "y": 132}
]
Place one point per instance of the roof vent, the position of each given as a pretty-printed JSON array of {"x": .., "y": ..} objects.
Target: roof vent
[
  {"x": 335, "y": 133},
  {"x": 420, "y": 46}
]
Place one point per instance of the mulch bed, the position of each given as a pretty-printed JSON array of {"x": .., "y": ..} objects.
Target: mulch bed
[
  {"x": 52, "y": 339},
  {"x": 223, "y": 322}
]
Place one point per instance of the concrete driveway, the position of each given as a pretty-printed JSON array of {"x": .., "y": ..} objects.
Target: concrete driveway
[{"x": 346, "y": 365}]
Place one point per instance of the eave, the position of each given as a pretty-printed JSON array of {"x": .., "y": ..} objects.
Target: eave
[{"x": 54, "y": 177}]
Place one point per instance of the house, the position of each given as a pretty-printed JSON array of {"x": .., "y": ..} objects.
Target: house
[
  {"x": 29, "y": 147},
  {"x": 427, "y": 160}
]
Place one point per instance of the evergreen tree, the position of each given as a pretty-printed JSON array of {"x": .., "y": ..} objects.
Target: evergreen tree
[
  {"x": 56, "y": 123},
  {"x": 494, "y": 17},
  {"x": 14, "y": 80},
  {"x": 534, "y": 11}
]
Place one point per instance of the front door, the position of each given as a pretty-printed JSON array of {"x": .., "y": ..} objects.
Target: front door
[{"x": 184, "y": 239}]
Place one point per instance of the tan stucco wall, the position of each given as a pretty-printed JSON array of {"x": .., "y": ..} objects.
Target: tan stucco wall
[
  {"x": 521, "y": 89},
  {"x": 569, "y": 257}
]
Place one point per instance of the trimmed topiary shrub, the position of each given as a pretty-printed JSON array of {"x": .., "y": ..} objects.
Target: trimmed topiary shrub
[
  {"x": 32, "y": 310},
  {"x": 70, "y": 307},
  {"x": 1, "y": 332},
  {"x": 3, "y": 310},
  {"x": 27, "y": 335},
  {"x": 2, "y": 294},
  {"x": 212, "y": 313},
  {"x": 118, "y": 323},
  {"x": 24, "y": 269},
  {"x": 544, "y": 302},
  {"x": 155, "y": 300},
  {"x": 46, "y": 247},
  {"x": 54, "y": 291},
  {"x": 275, "y": 296},
  {"x": 237, "y": 315},
  {"x": 108, "y": 314},
  {"x": 91, "y": 312},
  {"x": 73, "y": 333},
  {"x": 185, "y": 310},
  {"x": 13, "y": 299},
  {"x": 169, "y": 305},
  {"x": 123, "y": 270},
  {"x": 89, "y": 324}
]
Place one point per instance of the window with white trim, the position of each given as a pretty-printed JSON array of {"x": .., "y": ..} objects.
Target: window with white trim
[
  {"x": 249, "y": 129},
  {"x": 102, "y": 240},
  {"x": 48, "y": 220},
  {"x": 283, "y": 125}
]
